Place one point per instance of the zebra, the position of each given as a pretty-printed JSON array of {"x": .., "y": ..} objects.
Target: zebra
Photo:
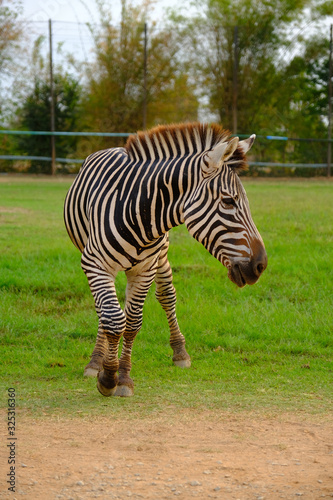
[{"x": 118, "y": 213}]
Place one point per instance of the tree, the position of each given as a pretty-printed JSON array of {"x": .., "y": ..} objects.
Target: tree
[
  {"x": 238, "y": 52},
  {"x": 11, "y": 34},
  {"x": 304, "y": 103},
  {"x": 235, "y": 48},
  {"x": 35, "y": 114},
  {"x": 116, "y": 91},
  {"x": 33, "y": 111}
]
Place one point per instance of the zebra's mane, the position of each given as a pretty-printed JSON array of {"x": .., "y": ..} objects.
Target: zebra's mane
[{"x": 166, "y": 141}]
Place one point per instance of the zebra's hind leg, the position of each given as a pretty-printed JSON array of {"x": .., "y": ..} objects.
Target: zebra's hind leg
[
  {"x": 136, "y": 292},
  {"x": 125, "y": 387},
  {"x": 166, "y": 295},
  {"x": 96, "y": 362}
]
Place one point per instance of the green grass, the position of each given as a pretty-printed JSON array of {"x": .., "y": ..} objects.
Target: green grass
[{"x": 268, "y": 347}]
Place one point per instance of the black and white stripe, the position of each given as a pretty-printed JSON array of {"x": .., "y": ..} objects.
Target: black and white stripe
[{"x": 118, "y": 213}]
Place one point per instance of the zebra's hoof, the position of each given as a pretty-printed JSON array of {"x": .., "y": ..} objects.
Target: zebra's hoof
[
  {"x": 105, "y": 391},
  {"x": 183, "y": 363},
  {"x": 90, "y": 372},
  {"x": 124, "y": 391},
  {"x": 93, "y": 367}
]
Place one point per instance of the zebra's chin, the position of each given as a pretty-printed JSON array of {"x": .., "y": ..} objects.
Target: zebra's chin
[{"x": 235, "y": 275}]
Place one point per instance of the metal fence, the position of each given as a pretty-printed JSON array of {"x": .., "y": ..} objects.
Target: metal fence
[{"x": 127, "y": 134}]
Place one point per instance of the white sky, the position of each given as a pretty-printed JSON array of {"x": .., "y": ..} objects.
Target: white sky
[
  {"x": 78, "y": 10},
  {"x": 66, "y": 16},
  {"x": 68, "y": 23}
]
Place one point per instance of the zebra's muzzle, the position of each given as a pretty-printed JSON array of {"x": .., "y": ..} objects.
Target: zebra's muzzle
[{"x": 248, "y": 273}]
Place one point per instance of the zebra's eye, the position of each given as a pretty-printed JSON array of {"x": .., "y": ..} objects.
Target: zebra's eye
[{"x": 229, "y": 202}]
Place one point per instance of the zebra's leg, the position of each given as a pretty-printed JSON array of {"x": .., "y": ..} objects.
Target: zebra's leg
[
  {"x": 112, "y": 323},
  {"x": 96, "y": 359},
  {"x": 166, "y": 295},
  {"x": 136, "y": 292}
]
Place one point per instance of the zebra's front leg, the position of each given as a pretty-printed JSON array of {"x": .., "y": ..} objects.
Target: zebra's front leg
[
  {"x": 136, "y": 292},
  {"x": 111, "y": 322},
  {"x": 166, "y": 295}
]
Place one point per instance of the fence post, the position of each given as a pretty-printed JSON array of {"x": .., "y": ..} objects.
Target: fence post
[
  {"x": 329, "y": 146},
  {"x": 53, "y": 149},
  {"x": 145, "y": 60},
  {"x": 235, "y": 83}
]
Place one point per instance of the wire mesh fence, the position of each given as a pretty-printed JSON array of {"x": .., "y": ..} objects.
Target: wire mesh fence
[
  {"x": 272, "y": 154},
  {"x": 285, "y": 145}
]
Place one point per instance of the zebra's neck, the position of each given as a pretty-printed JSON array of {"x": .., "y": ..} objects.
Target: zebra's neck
[
  {"x": 167, "y": 157},
  {"x": 161, "y": 190}
]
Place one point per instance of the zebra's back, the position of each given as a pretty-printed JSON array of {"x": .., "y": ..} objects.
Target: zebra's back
[{"x": 98, "y": 169}]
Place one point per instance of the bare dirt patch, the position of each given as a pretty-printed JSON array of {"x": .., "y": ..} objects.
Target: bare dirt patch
[
  {"x": 189, "y": 455},
  {"x": 14, "y": 210}
]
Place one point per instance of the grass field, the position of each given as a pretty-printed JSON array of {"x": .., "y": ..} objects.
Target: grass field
[{"x": 268, "y": 347}]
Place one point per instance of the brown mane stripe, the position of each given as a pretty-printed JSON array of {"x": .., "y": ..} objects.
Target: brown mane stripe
[{"x": 203, "y": 137}]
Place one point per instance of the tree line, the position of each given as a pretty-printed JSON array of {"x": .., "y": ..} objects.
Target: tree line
[{"x": 255, "y": 66}]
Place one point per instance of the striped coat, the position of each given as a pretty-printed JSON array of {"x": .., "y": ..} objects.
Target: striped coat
[{"x": 118, "y": 213}]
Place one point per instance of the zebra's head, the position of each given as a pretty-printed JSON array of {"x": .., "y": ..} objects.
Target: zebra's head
[{"x": 218, "y": 214}]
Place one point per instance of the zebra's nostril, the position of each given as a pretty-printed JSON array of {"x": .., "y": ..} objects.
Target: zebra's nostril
[{"x": 260, "y": 268}]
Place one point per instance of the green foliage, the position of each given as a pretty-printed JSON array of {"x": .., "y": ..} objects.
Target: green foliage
[
  {"x": 262, "y": 61},
  {"x": 243, "y": 36},
  {"x": 11, "y": 34},
  {"x": 114, "y": 100},
  {"x": 304, "y": 104},
  {"x": 35, "y": 114},
  {"x": 241, "y": 53},
  {"x": 7, "y": 147},
  {"x": 266, "y": 347},
  {"x": 10, "y": 30}
]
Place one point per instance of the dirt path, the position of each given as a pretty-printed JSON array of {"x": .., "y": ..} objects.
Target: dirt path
[{"x": 188, "y": 455}]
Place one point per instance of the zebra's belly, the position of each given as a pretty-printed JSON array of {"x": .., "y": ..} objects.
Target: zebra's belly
[{"x": 125, "y": 257}]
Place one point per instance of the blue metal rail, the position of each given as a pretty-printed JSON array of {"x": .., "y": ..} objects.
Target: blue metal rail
[{"x": 126, "y": 134}]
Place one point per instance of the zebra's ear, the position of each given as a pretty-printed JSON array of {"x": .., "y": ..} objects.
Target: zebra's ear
[
  {"x": 232, "y": 146},
  {"x": 215, "y": 158},
  {"x": 247, "y": 143}
]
